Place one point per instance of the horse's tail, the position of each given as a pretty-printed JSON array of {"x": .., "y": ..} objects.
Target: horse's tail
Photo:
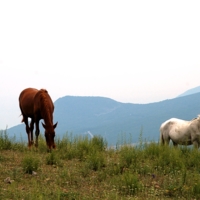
[{"x": 161, "y": 136}]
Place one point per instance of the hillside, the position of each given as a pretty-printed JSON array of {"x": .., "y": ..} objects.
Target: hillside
[
  {"x": 190, "y": 91},
  {"x": 84, "y": 169},
  {"x": 114, "y": 120}
]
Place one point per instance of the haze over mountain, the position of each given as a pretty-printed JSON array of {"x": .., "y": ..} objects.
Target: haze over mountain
[
  {"x": 115, "y": 121},
  {"x": 191, "y": 91}
]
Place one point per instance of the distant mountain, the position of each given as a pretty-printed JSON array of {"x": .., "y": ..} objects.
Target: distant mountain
[
  {"x": 190, "y": 91},
  {"x": 113, "y": 120}
]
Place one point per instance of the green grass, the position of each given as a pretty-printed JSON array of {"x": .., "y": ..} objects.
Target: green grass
[
  {"x": 83, "y": 168},
  {"x": 30, "y": 163}
]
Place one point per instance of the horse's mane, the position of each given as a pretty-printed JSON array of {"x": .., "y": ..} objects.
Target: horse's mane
[
  {"x": 196, "y": 118},
  {"x": 45, "y": 105},
  {"x": 43, "y": 90}
]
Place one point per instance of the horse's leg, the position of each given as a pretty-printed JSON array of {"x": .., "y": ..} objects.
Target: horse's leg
[
  {"x": 166, "y": 141},
  {"x": 37, "y": 132},
  {"x": 175, "y": 144},
  {"x": 195, "y": 144},
  {"x": 25, "y": 120},
  {"x": 31, "y": 129}
]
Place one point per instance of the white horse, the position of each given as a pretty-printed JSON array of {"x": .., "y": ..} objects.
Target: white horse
[{"x": 181, "y": 132}]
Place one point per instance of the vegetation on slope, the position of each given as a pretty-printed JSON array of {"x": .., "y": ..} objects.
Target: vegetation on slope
[{"x": 83, "y": 168}]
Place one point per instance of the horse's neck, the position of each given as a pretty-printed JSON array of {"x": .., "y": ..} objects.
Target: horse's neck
[
  {"x": 48, "y": 118},
  {"x": 196, "y": 121},
  {"x": 46, "y": 110}
]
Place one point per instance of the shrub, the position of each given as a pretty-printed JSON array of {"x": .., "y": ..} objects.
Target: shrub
[
  {"x": 191, "y": 158},
  {"x": 127, "y": 184},
  {"x": 152, "y": 150},
  {"x": 196, "y": 190},
  {"x": 52, "y": 159},
  {"x": 128, "y": 156},
  {"x": 98, "y": 143},
  {"x": 81, "y": 147},
  {"x": 42, "y": 147},
  {"x": 30, "y": 164},
  {"x": 5, "y": 142},
  {"x": 64, "y": 142},
  {"x": 95, "y": 161},
  {"x": 170, "y": 159},
  {"x": 113, "y": 169}
]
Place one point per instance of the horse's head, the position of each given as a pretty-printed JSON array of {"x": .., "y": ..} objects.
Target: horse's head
[{"x": 49, "y": 135}]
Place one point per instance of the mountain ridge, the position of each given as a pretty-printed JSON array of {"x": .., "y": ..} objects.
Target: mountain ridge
[
  {"x": 115, "y": 120},
  {"x": 190, "y": 91}
]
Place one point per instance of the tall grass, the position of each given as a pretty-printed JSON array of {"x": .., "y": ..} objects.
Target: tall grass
[
  {"x": 86, "y": 168},
  {"x": 7, "y": 143},
  {"x": 30, "y": 163}
]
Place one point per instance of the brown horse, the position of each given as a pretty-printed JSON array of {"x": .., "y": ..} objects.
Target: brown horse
[{"x": 37, "y": 104}]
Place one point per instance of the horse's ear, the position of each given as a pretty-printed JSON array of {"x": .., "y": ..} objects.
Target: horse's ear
[
  {"x": 44, "y": 126},
  {"x": 54, "y": 126}
]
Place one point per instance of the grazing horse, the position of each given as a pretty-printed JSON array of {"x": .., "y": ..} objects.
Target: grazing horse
[
  {"x": 37, "y": 104},
  {"x": 181, "y": 132}
]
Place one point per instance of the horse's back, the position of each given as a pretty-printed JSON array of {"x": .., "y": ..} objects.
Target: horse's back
[
  {"x": 176, "y": 129},
  {"x": 165, "y": 125},
  {"x": 173, "y": 122},
  {"x": 26, "y": 101}
]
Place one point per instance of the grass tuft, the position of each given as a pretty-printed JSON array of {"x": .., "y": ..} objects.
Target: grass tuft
[{"x": 30, "y": 163}]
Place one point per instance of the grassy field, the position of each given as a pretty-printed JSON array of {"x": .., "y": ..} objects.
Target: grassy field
[{"x": 83, "y": 168}]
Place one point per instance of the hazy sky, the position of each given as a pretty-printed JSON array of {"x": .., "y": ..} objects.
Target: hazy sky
[{"x": 130, "y": 51}]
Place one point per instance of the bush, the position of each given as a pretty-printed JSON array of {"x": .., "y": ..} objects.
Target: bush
[
  {"x": 5, "y": 142},
  {"x": 30, "y": 164},
  {"x": 127, "y": 184},
  {"x": 196, "y": 190},
  {"x": 52, "y": 159},
  {"x": 128, "y": 156},
  {"x": 170, "y": 159},
  {"x": 98, "y": 143},
  {"x": 152, "y": 150},
  {"x": 192, "y": 158},
  {"x": 95, "y": 161}
]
